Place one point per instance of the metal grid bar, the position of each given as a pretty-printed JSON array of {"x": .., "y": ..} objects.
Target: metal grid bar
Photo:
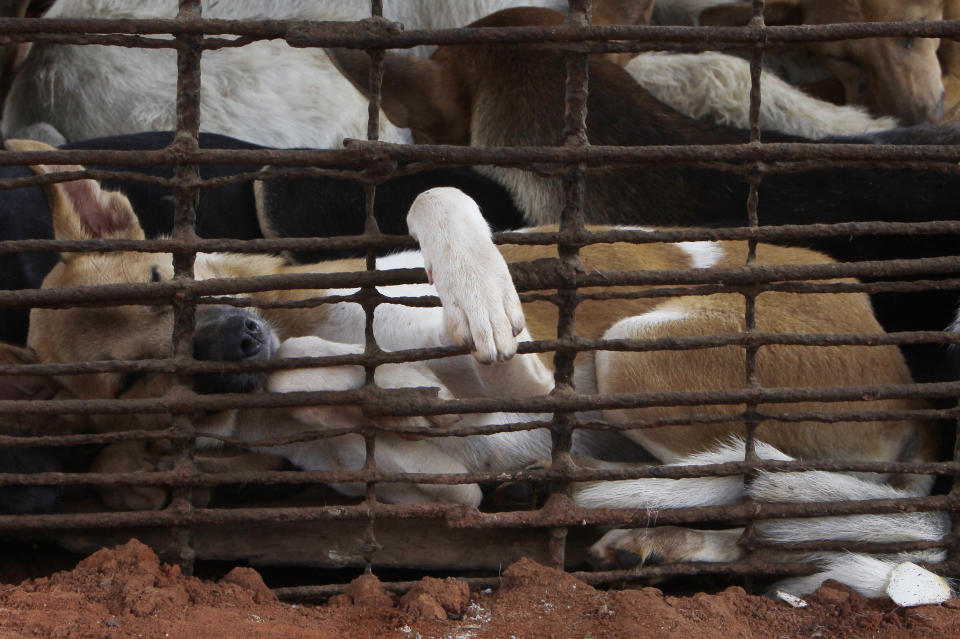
[
  {"x": 371, "y": 298},
  {"x": 373, "y": 35},
  {"x": 185, "y": 197}
]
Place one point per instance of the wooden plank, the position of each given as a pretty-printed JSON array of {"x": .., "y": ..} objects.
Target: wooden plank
[{"x": 413, "y": 544}]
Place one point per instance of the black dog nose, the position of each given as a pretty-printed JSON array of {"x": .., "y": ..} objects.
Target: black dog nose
[
  {"x": 241, "y": 338},
  {"x": 251, "y": 338},
  {"x": 229, "y": 334}
]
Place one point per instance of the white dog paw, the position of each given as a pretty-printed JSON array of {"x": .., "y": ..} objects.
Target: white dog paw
[{"x": 480, "y": 304}]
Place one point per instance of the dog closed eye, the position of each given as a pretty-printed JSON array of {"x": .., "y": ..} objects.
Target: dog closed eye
[{"x": 127, "y": 382}]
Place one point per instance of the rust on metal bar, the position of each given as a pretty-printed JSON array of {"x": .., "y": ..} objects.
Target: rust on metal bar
[{"x": 555, "y": 281}]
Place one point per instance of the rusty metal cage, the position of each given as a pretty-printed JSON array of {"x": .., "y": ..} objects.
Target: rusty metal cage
[{"x": 185, "y": 532}]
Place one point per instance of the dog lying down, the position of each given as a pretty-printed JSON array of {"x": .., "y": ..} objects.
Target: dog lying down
[{"x": 481, "y": 308}]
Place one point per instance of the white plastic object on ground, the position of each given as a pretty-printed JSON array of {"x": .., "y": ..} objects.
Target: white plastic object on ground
[
  {"x": 793, "y": 600},
  {"x": 911, "y": 585}
]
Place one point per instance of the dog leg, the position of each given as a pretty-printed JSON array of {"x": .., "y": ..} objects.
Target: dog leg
[
  {"x": 393, "y": 453},
  {"x": 626, "y": 548},
  {"x": 820, "y": 486},
  {"x": 659, "y": 494},
  {"x": 130, "y": 457},
  {"x": 867, "y": 574},
  {"x": 667, "y": 544},
  {"x": 480, "y": 305},
  {"x": 399, "y": 455}
]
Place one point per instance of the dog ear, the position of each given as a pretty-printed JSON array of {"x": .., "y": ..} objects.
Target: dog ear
[
  {"x": 30, "y": 387},
  {"x": 422, "y": 95},
  {"x": 776, "y": 12},
  {"x": 80, "y": 209}
]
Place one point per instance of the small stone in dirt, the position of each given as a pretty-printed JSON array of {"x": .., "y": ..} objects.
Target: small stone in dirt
[
  {"x": 150, "y": 600},
  {"x": 832, "y": 592},
  {"x": 526, "y": 572},
  {"x": 452, "y": 594},
  {"x": 249, "y": 579},
  {"x": 424, "y": 606},
  {"x": 113, "y": 622},
  {"x": 366, "y": 590},
  {"x": 339, "y": 601}
]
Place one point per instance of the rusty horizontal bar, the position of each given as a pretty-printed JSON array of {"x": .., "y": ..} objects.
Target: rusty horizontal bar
[
  {"x": 186, "y": 517},
  {"x": 375, "y": 171},
  {"x": 564, "y": 513},
  {"x": 378, "y": 33},
  {"x": 458, "y": 516},
  {"x": 129, "y": 295},
  {"x": 539, "y": 238},
  {"x": 357, "y": 152},
  {"x": 408, "y": 402},
  {"x": 312, "y": 477},
  {"x": 536, "y": 278},
  {"x": 656, "y": 154},
  {"x": 740, "y": 568},
  {"x": 847, "y": 546},
  {"x": 659, "y": 292},
  {"x": 692, "y": 419},
  {"x": 174, "y": 365}
]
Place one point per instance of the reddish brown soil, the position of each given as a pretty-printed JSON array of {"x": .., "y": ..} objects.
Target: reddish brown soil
[{"x": 126, "y": 592}]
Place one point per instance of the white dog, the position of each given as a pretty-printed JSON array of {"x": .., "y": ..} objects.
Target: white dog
[{"x": 481, "y": 309}]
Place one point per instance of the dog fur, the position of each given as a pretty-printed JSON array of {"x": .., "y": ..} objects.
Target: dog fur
[
  {"x": 266, "y": 92},
  {"x": 286, "y": 207},
  {"x": 491, "y": 96},
  {"x": 481, "y": 308}
]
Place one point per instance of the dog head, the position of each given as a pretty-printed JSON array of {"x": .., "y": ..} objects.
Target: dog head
[{"x": 81, "y": 210}]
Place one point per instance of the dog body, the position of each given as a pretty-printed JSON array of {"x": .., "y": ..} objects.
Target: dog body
[
  {"x": 491, "y": 96},
  {"x": 481, "y": 308}
]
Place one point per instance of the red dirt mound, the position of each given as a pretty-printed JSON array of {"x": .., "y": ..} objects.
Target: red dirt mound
[{"x": 126, "y": 592}]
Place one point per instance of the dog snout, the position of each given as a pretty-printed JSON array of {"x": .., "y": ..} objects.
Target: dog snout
[
  {"x": 227, "y": 333},
  {"x": 246, "y": 340}
]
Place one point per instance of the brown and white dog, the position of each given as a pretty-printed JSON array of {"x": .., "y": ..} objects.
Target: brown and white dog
[{"x": 481, "y": 308}]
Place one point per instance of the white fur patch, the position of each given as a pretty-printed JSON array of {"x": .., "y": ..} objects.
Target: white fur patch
[
  {"x": 636, "y": 325},
  {"x": 716, "y": 87},
  {"x": 266, "y": 92},
  {"x": 702, "y": 254}
]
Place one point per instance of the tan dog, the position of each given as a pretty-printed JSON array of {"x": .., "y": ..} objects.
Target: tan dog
[
  {"x": 891, "y": 76},
  {"x": 480, "y": 307}
]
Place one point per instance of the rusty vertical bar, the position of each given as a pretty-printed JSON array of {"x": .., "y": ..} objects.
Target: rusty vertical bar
[
  {"x": 571, "y": 227},
  {"x": 952, "y": 564},
  {"x": 750, "y": 296},
  {"x": 375, "y": 81},
  {"x": 189, "y": 51}
]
